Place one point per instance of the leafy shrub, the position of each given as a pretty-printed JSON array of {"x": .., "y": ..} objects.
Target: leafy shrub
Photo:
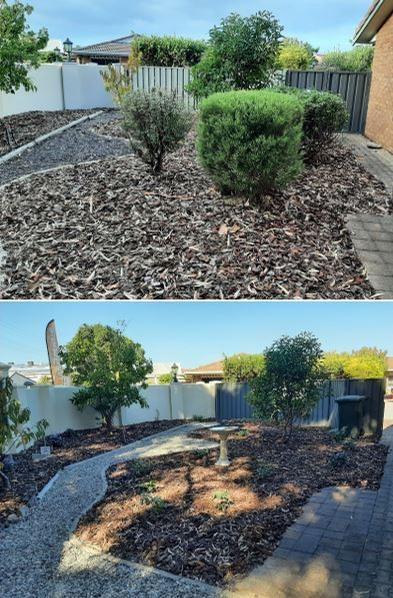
[
  {"x": 168, "y": 50},
  {"x": 249, "y": 141},
  {"x": 243, "y": 433},
  {"x": 156, "y": 123},
  {"x": 242, "y": 54},
  {"x": 242, "y": 367},
  {"x": 365, "y": 363},
  {"x": 325, "y": 115},
  {"x": 359, "y": 59},
  {"x": 223, "y": 500},
  {"x": 141, "y": 467},
  {"x": 295, "y": 54}
]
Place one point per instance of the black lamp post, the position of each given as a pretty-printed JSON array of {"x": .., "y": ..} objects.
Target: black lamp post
[
  {"x": 67, "y": 45},
  {"x": 174, "y": 370}
]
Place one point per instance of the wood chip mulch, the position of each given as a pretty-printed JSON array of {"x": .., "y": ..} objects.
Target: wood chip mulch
[
  {"x": 264, "y": 489},
  {"x": 25, "y": 127},
  {"x": 112, "y": 230},
  {"x": 29, "y": 477}
]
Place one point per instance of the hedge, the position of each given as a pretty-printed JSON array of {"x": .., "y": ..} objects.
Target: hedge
[
  {"x": 168, "y": 50},
  {"x": 249, "y": 141}
]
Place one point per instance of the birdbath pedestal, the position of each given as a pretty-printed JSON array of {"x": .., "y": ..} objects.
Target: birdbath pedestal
[{"x": 223, "y": 432}]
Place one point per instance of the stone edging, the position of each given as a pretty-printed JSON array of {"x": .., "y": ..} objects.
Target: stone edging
[{"x": 19, "y": 150}]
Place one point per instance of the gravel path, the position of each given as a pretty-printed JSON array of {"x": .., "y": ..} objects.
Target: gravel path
[
  {"x": 40, "y": 557},
  {"x": 76, "y": 145}
]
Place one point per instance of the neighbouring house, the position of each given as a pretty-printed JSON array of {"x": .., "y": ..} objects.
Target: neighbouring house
[
  {"x": 159, "y": 369},
  {"x": 109, "y": 52},
  {"x": 30, "y": 371},
  {"x": 205, "y": 373},
  {"x": 18, "y": 379},
  {"x": 377, "y": 26},
  {"x": 389, "y": 377}
]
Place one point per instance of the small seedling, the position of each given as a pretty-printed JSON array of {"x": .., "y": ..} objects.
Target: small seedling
[
  {"x": 243, "y": 433},
  {"x": 200, "y": 453},
  {"x": 349, "y": 444},
  {"x": 155, "y": 502},
  {"x": 198, "y": 418},
  {"x": 339, "y": 435},
  {"x": 223, "y": 500},
  {"x": 141, "y": 467},
  {"x": 264, "y": 470},
  {"x": 148, "y": 487}
]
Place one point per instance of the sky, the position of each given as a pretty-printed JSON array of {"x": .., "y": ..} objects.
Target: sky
[
  {"x": 325, "y": 24},
  {"x": 195, "y": 333}
]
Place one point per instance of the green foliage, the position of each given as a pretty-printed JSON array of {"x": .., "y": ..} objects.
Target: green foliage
[
  {"x": 141, "y": 467},
  {"x": 168, "y": 50},
  {"x": 19, "y": 46},
  {"x": 223, "y": 500},
  {"x": 243, "y": 433},
  {"x": 359, "y": 59},
  {"x": 50, "y": 57},
  {"x": 109, "y": 366},
  {"x": 242, "y": 367},
  {"x": 249, "y": 141},
  {"x": 364, "y": 364},
  {"x": 290, "y": 385},
  {"x": 242, "y": 54},
  {"x": 14, "y": 431},
  {"x": 45, "y": 380},
  {"x": 325, "y": 115},
  {"x": 198, "y": 418},
  {"x": 295, "y": 54},
  {"x": 201, "y": 453},
  {"x": 149, "y": 486},
  {"x": 263, "y": 470},
  {"x": 165, "y": 379},
  {"x": 148, "y": 497},
  {"x": 156, "y": 123}
]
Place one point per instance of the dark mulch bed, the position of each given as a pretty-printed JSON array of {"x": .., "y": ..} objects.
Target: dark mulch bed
[
  {"x": 110, "y": 129},
  {"x": 268, "y": 482},
  {"x": 28, "y": 126},
  {"x": 30, "y": 477},
  {"x": 113, "y": 230}
]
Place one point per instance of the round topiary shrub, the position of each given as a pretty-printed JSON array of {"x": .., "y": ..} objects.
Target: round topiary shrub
[
  {"x": 249, "y": 141},
  {"x": 325, "y": 115}
]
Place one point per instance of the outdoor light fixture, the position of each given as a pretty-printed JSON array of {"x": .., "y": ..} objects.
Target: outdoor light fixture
[
  {"x": 174, "y": 370},
  {"x": 67, "y": 45}
]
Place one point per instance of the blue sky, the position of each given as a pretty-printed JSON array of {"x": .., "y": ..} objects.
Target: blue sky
[
  {"x": 327, "y": 24},
  {"x": 197, "y": 332}
]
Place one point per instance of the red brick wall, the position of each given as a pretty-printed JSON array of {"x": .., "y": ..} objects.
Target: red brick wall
[{"x": 379, "y": 126}]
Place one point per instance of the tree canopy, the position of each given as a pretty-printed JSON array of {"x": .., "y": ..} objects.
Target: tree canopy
[
  {"x": 359, "y": 58},
  {"x": 365, "y": 363},
  {"x": 289, "y": 386},
  {"x": 19, "y": 46},
  {"x": 243, "y": 367},
  {"x": 110, "y": 367},
  {"x": 295, "y": 54},
  {"x": 241, "y": 54}
]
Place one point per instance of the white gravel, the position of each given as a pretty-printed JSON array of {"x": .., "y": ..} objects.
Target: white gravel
[{"x": 39, "y": 556}]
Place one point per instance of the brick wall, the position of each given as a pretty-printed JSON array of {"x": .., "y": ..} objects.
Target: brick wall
[{"x": 379, "y": 125}]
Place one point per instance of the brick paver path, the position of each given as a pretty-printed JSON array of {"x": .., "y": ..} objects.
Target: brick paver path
[
  {"x": 372, "y": 236},
  {"x": 377, "y": 162},
  {"x": 342, "y": 546}
]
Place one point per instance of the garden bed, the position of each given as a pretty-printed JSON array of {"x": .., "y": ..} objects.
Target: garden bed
[
  {"x": 28, "y": 126},
  {"x": 165, "y": 511},
  {"x": 29, "y": 477},
  {"x": 112, "y": 230}
]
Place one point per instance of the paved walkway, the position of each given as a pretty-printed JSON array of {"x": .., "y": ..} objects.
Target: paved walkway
[
  {"x": 39, "y": 557},
  {"x": 377, "y": 162},
  {"x": 341, "y": 546},
  {"x": 372, "y": 235}
]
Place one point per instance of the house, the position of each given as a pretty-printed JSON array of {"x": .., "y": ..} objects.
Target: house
[
  {"x": 109, "y": 52},
  {"x": 378, "y": 25},
  {"x": 389, "y": 377},
  {"x": 205, "y": 373},
  {"x": 18, "y": 379},
  {"x": 160, "y": 369},
  {"x": 28, "y": 372}
]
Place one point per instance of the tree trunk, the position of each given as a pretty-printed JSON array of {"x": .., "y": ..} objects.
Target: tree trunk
[{"x": 5, "y": 480}]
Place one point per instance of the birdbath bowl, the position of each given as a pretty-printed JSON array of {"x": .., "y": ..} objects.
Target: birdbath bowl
[{"x": 224, "y": 432}]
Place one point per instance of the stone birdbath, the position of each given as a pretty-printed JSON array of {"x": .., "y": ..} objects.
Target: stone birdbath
[{"x": 223, "y": 432}]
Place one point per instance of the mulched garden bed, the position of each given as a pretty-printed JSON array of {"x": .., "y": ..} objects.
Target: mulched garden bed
[
  {"x": 112, "y": 128},
  {"x": 164, "y": 511},
  {"x": 113, "y": 230},
  {"x": 30, "y": 477},
  {"x": 28, "y": 126}
]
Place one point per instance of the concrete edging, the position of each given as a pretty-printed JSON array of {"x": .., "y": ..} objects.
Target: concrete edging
[{"x": 19, "y": 150}]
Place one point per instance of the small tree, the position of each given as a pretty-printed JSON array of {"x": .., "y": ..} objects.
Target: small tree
[
  {"x": 365, "y": 363},
  {"x": 156, "y": 123},
  {"x": 45, "y": 380},
  {"x": 14, "y": 431},
  {"x": 242, "y": 54},
  {"x": 110, "y": 367},
  {"x": 295, "y": 54},
  {"x": 358, "y": 59},
  {"x": 289, "y": 386},
  {"x": 117, "y": 81},
  {"x": 19, "y": 47},
  {"x": 243, "y": 368},
  {"x": 165, "y": 379}
]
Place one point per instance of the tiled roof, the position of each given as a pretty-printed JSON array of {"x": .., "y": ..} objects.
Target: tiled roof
[
  {"x": 115, "y": 47},
  {"x": 379, "y": 11},
  {"x": 215, "y": 366}
]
